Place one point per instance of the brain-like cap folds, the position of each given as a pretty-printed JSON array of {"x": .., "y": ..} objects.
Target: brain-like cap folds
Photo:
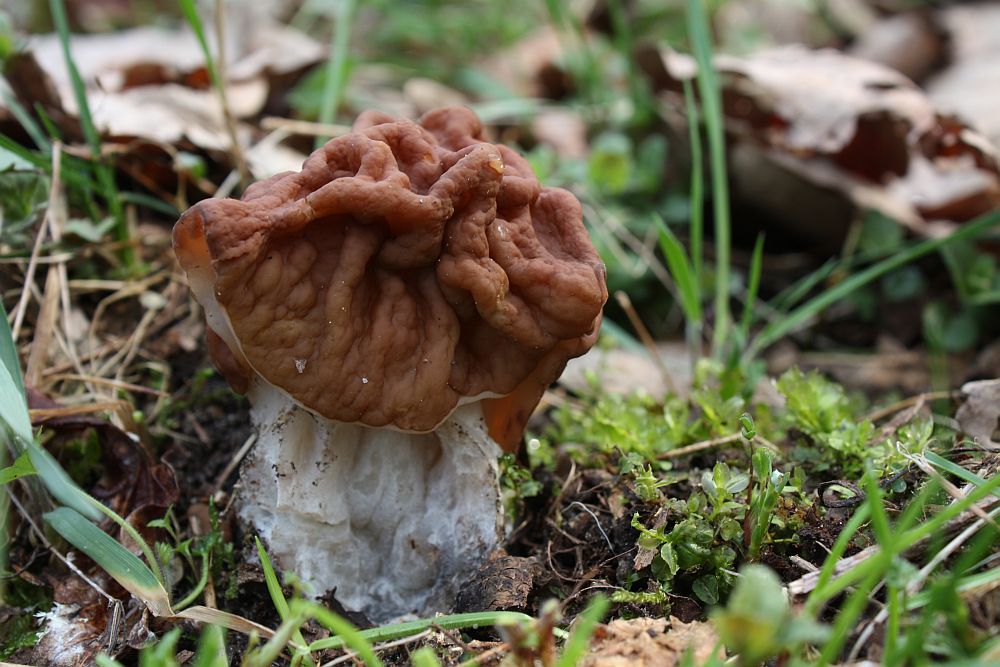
[{"x": 408, "y": 268}]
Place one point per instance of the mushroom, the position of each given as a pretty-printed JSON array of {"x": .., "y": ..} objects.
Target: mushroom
[{"x": 394, "y": 312}]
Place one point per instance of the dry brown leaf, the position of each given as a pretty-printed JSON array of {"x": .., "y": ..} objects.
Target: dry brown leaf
[
  {"x": 970, "y": 87},
  {"x": 819, "y": 136},
  {"x": 151, "y": 83},
  {"x": 650, "y": 642},
  {"x": 531, "y": 67},
  {"x": 979, "y": 416},
  {"x": 563, "y": 129},
  {"x": 912, "y": 43},
  {"x": 503, "y": 582},
  {"x": 622, "y": 371},
  {"x": 132, "y": 480}
]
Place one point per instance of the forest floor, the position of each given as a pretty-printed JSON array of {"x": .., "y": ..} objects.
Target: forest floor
[{"x": 783, "y": 448}]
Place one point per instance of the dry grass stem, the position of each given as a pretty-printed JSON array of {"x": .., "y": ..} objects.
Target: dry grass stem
[
  {"x": 647, "y": 339},
  {"x": 291, "y": 126},
  {"x": 234, "y": 462},
  {"x": 701, "y": 446},
  {"x": 29, "y": 275},
  {"x": 882, "y": 413},
  {"x": 227, "y": 112},
  {"x": 396, "y": 643}
]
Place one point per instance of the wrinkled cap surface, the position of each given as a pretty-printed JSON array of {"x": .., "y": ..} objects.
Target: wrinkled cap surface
[{"x": 407, "y": 269}]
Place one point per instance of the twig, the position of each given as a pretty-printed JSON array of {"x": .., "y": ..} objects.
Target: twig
[
  {"x": 220, "y": 481},
  {"x": 128, "y": 386},
  {"x": 350, "y": 655},
  {"x": 220, "y": 84},
  {"x": 699, "y": 446},
  {"x": 647, "y": 339},
  {"x": 486, "y": 655},
  {"x": 302, "y": 127},
  {"x": 71, "y": 411},
  {"x": 36, "y": 248},
  {"x": 882, "y": 413}
]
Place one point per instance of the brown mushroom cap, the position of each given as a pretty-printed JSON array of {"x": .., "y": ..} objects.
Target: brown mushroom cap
[{"x": 408, "y": 268}]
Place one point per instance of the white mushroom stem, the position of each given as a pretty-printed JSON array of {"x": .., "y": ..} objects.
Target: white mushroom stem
[{"x": 394, "y": 521}]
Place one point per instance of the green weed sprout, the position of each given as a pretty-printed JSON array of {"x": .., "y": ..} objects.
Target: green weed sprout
[{"x": 757, "y": 622}]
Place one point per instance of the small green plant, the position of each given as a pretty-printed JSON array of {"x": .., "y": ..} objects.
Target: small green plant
[
  {"x": 768, "y": 486},
  {"x": 757, "y": 622},
  {"x": 634, "y": 423},
  {"x": 837, "y": 438},
  {"x": 516, "y": 484}
]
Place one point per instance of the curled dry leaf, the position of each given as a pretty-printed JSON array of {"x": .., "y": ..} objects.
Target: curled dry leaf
[
  {"x": 151, "y": 85},
  {"x": 72, "y": 635},
  {"x": 912, "y": 43},
  {"x": 817, "y": 136},
  {"x": 979, "y": 416},
  {"x": 132, "y": 480},
  {"x": 650, "y": 642},
  {"x": 503, "y": 582},
  {"x": 970, "y": 86}
]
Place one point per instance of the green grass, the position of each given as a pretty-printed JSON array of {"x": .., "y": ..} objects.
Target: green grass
[
  {"x": 104, "y": 173},
  {"x": 733, "y": 511},
  {"x": 336, "y": 74},
  {"x": 711, "y": 102}
]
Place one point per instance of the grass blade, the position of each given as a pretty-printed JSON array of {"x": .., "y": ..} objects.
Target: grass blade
[
  {"x": 20, "y": 468},
  {"x": 271, "y": 579},
  {"x": 104, "y": 173},
  {"x": 424, "y": 657},
  {"x": 955, "y": 469},
  {"x": 190, "y": 13},
  {"x": 697, "y": 178},
  {"x": 350, "y": 636},
  {"x": 450, "y": 622},
  {"x": 711, "y": 103},
  {"x": 797, "y": 317},
  {"x": 583, "y": 629},
  {"x": 8, "y": 353},
  {"x": 13, "y": 409},
  {"x": 753, "y": 285},
  {"x": 120, "y": 563},
  {"x": 681, "y": 271},
  {"x": 274, "y": 590},
  {"x": 211, "y": 648},
  {"x": 336, "y": 66}
]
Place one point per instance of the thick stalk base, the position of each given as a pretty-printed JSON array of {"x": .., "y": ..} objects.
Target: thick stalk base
[{"x": 393, "y": 521}]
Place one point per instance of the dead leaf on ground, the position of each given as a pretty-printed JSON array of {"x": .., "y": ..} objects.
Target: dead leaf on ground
[
  {"x": 132, "y": 480},
  {"x": 531, "y": 68},
  {"x": 150, "y": 94},
  {"x": 912, "y": 43},
  {"x": 804, "y": 123},
  {"x": 771, "y": 22},
  {"x": 621, "y": 371},
  {"x": 503, "y": 582},
  {"x": 650, "y": 642},
  {"x": 970, "y": 86},
  {"x": 72, "y": 636},
  {"x": 979, "y": 416}
]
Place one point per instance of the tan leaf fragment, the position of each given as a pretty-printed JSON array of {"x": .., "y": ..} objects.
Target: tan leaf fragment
[
  {"x": 819, "y": 136},
  {"x": 650, "y": 642},
  {"x": 979, "y": 416}
]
